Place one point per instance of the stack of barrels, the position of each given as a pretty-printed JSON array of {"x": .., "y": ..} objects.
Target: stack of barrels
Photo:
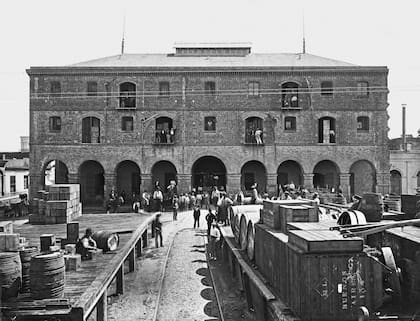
[
  {"x": 10, "y": 274},
  {"x": 47, "y": 275}
]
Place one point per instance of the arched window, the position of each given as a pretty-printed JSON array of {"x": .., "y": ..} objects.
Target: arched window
[
  {"x": 326, "y": 130},
  {"x": 55, "y": 88},
  {"x": 254, "y": 131},
  {"x": 165, "y": 132},
  {"x": 289, "y": 95},
  {"x": 91, "y": 130},
  {"x": 362, "y": 123},
  {"x": 127, "y": 95}
]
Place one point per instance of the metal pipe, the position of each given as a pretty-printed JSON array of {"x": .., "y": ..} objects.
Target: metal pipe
[{"x": 404, "y": 142}]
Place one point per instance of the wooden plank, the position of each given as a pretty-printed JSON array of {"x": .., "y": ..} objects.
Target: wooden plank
[
  {"x": 101, "y": 308},
  {"x": 120, "y": 280},
  {"x": 132, "y": 260}
]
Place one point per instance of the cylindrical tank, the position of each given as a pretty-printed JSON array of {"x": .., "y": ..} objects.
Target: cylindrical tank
[
  {"x": 47, "y": 276},
  {"x": 106, "y": 240},
  {"x": 25, "y": 257}
]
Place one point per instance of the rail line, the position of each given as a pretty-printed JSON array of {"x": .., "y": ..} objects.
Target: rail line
[{"x": 163, "y": 273}]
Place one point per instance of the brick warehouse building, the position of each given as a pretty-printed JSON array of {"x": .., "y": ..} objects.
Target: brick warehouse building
[{"x": 193, "y": 115}]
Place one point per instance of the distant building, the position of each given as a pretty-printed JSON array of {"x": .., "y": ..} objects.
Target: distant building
[
  {"x": 14, "y": 175},
  {"x": 405, "y": 165},
  {"x": 210, "y": 114},
  {"x": 24, "y": 144}
]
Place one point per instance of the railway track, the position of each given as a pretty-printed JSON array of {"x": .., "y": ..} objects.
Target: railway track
[{"x": 164, "y": 275}]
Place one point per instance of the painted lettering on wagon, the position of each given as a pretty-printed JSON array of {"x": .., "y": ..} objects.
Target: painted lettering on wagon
[{"x": 353, "y": 285}]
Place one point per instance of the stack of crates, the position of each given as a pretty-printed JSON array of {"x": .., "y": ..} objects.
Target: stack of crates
[{"x": 58, "y": 204}]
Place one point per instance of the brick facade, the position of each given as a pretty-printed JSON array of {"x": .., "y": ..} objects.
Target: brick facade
[{"x": 187, "y": 105}]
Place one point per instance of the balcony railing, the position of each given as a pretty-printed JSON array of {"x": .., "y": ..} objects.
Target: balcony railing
[{"x": 164, "y": 137}]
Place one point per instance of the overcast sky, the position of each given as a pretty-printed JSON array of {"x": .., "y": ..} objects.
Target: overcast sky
[{"x": 53, "y": 32}]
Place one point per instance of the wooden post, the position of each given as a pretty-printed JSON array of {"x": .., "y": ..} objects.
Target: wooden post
[
  {"x": 144, "y": 238},
  {"x": 132, "y": 260},
  {"x": 138, "y": 247},
  {"x": 73, "y": 232},
  {"x": 120, "y": 280},
  {"x": 101, "y": 308}
]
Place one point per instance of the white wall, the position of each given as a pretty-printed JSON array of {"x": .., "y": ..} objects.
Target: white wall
[
  {"x": 408, "y": 164},
  {"x": 19, "y": 180}
]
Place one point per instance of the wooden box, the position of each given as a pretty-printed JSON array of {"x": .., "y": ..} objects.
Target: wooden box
[
  {"x": 314, "y": 226},
  {"x": 46, "y": 240},
  {"x": 332, "y": 286},
  {"x": 296, "y": 213},
  {"x": 271, "y": 258},
  {"x": 408, "y": 205},
  {"x": 324, "y": 242},
  {"x": 72, "y": 261},
  {"x": 6, "y": 227},
  {"x": 271, "y": 213},
  {"x": 9, "y": 242},
  {"x": 73, "y": 231}
]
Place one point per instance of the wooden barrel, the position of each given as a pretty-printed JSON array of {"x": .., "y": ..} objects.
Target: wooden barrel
[
  {"x": 351, "y": 218},
  {"x": 106, "y": 240},
  {"x": 47, "y": 276},
  {"x": 25, "y": 257},
  {"x": 250, "y": 235},
  {"x": 236, "y": 226},
  {"x": 10, "y": 274},
  {"x": 372, "y": 206}
]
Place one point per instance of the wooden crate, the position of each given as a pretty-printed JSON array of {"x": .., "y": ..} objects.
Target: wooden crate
[
  {"x": 324, "y": 241},
  {"x": 270, "y": 212},
  {"x": 6, "y": 227},
  {"x": 9, "y": 242},
  {"x": 271, "y": 258},
  {"x": 408, "y": 205},
  {"x": 296, "y": 213},
  {"x": 332, "y": 286},
  {"x": 315, "y": 226}
]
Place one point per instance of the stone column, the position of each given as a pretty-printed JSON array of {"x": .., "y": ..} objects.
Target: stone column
[
  {"x": 233, "y": 183},
  {"x": 345, "y": 185},
  {"x": 109, "y": 183},
  {"x": 35, "y": 184},
  {"x": 184, "y": 183},
  {"x": 272, "y": 184},
  {"x": 308, "y": 180},
  {"x": 383, "y": 182},
  {"x": 73, "y": 178}
]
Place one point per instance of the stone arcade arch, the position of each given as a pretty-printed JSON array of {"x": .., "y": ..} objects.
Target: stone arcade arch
[
  {"x": 55, "y": 172},
  {"x": 91, "y": 178},
  {"x": 128, "y": 179},
  {"x": 396, "y": 185},
  {"x": 164, "y": 172},
  {"x": 326, "y": 175},
  {"x": 208, "y": 171},
  {"x": 362, "y": 177},
  {"x": 289, "y": 171},
  {"x": 254, "y": 172}
]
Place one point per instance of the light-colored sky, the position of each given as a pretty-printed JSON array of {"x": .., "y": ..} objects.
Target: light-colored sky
[{"x": 54, "y": 32}]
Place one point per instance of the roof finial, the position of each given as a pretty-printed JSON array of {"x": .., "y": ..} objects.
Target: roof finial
[
  {"x": 303, "y": 32},
  {"x": 123, "y": 36}
]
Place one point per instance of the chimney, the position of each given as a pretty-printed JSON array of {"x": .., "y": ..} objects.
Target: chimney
[
  {"x": 404, "y": 142},
  {"x": 4, "y": 156}
]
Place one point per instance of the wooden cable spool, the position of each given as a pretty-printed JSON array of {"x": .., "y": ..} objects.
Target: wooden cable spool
[
  {"x": 250, "y": 235},
  {"x": 351, "y": 217},
  {"x": 10, "y": 274},
  {"x": 106, "y": 240},
  {"x": 236, "y": 229},
  {"x": 247, "y": 217},
  {"x": 25, "y": 257},
  {"x": 394, "y": 275},
  {"x": 47, "y": 276}
]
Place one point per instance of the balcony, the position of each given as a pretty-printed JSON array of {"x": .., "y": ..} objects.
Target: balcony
[
  {"x": 164, "y": 137},
  {"x": 252, "y": 139},
  {"x": 290, "y": 102}
]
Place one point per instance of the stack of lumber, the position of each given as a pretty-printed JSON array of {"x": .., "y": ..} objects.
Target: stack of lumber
[{"x": 59, "y": 203}]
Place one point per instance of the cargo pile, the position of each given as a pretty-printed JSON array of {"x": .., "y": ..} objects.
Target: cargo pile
[{"x": 57, "y": 204}]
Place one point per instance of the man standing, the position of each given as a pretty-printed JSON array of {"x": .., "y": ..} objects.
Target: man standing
[
  {"x": 214, "y": 238},
  {"x": 158, "y": 230},
  {"x": 196, "y": 215},
  {"x": 175, "y": 206},
  {"x": 210, "y": 218}
]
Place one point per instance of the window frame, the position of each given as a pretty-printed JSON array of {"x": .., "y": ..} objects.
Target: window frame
[
  {"x": 253, "y": 89},
  {"x": 363, "y": 120},
  {"x": 327, "y": 91},
  {"x": 89, "y": 91},
  {"x": 210, "y": 91},
  {"x": 54, "y": 124},
  {"x": 25, "y": 181},
  {"x": 124, "y": 120},
  {"x": 55, "y": 88},
  {"x": 207, "y": 128},
  {"x": 164, "y": 92},
  {"x": 127, "y": 95},
  {"x": 12, "y": 184},
  {"x": 90, "y": 120},
  {"x": 293, "y": 122},
  {"x": 362, "y": 89}
]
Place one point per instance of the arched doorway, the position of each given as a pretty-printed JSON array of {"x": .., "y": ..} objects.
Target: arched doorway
[
  {"x": 290, "y": 95},
  {"x": 55, "y": 172},
  {"x": 289, "y": 172},
  {"x": 91, "y": 183},
  {"x": 326, "y": 175},
  {"x": 254, "y": 172},
  {"x": 164, "y": 131},
  {"x": 128, "y": 179},
  {"x": 209, "y": 171},
  {"x": 362, "y": 178},
  {"x": 396, "y": 185},
  {"x": 164, "y": 172},
  {"x": 254, "y": 128}
]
